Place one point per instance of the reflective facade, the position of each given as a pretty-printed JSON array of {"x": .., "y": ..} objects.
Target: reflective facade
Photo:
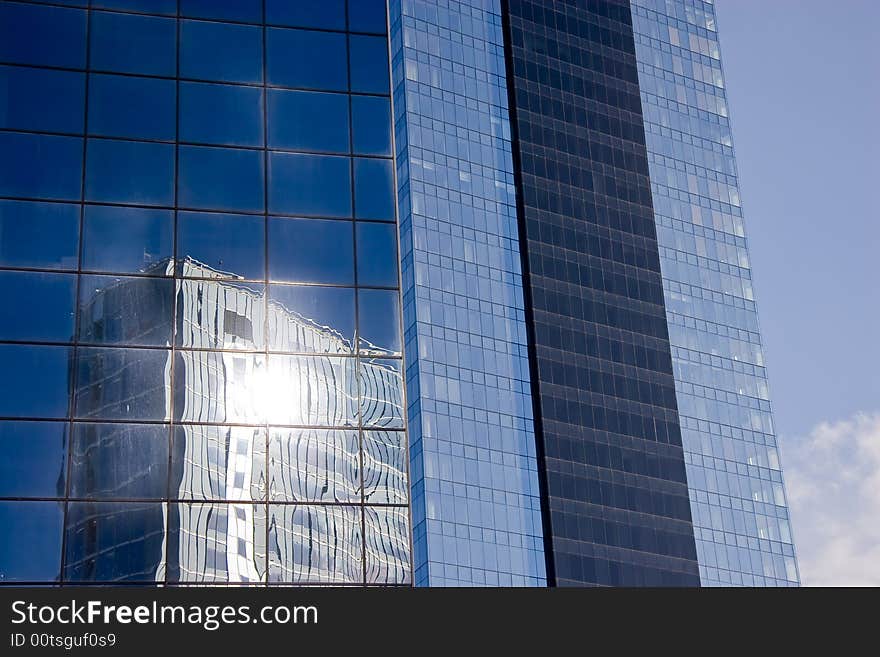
[{"x": 201, "y": 310}]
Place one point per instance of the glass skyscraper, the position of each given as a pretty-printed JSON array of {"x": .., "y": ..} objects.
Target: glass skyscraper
[{"x": 356, "y": 292}]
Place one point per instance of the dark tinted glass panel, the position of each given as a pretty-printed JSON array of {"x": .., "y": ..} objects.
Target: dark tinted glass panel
[
  {"x": 40, "y": 166},
  {"x": 377, "y": 262},
  {"x": 218, "y": 51},
  {"x": 40, "y": 459},
  {"x": 306, "y": 59},
  {"x": 127, "y": 106},
  {"x": 114, "y": 541},
  {"x": 311, "y": 319},
  {"x": 367, "y": 16},
  {"x": 43, "y": 36},
  {"x": 123, "y": 384},
  {"x": 248, "y": 11},
  {"x": 221, "y": 114},
  {"x": 129, "y": 172},
  {"x": 41, "y": 99},
  {"x": 379, "y": 322},
  {"x": 122, "y": 240},
  {"x": 220, "y": 178},
  {"x": 35, "y": 553},
  {"x": 371, "y": 125},
  {"x": 369, "y": 64},
  {"x": 147, "y": 6},
  {"x": 314, "y": 465},
  {"x": 39, "y": 234},
  {"x": 36, "y": 306},
  {"x": 119, "y": 461},
  {"x": 221, "y": 245},
  {"x": 126, "y": 310},
  {"x": 309, "y": 184},
  {"x": 308, "y": 121},
  {"x": 220, "y": 315},
  {"x": 38, "y": 381},
  {"x": 322, "y": 14},
  {"x": 373, "y": 189},
  {"x": 311, "y": 251},
  {"x": 128, "y": 43}
]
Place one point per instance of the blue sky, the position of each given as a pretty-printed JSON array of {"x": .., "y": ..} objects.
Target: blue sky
[{"x": 804, "y": 91}]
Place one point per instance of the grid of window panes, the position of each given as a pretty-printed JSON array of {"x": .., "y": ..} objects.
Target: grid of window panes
[
  {"x": 200, "y": 329},
  {"x": 476, "y": 503},
  {"x": 734, "y": 476}
]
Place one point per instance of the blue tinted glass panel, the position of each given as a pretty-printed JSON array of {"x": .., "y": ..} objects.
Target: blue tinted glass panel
[
  {"x": 119, "y": 239},
  {"x": 309, "y": 184},
  {"x": 40, "y": 166},
  {"x": 321, "y": 14},
  {"x": 219, "y": 314},
  {"x": 221, "y": 245},
  {"x": 308, "y": 121},
  {"x": 39, "y": 385},
  {"x": 129, "y": 172},
  {"x": 147, "y": 6},
  {"x": 221, "y": 114},
  {"x": 248, "y": 11},
  {"x": 373, "y": 189},
  {"x": 126, "y": 310},
  {"x": 377, "y": 262},
  {"x": 36, "y": 306},
  {"x": 311, "y": 318},
  {"x": 133, "y": 44},
  {"x": 44, "y": 235},
  {"x": 311, "y": 251},
  {"x": 35, "y": 554},
  {"x": 41, "y": 99},
  {"x": 40, "y": 462},
  {"x": 126, "y": 106},
  {"x": 379, "y": 322},
  {"x": 220, "y": 178},
  {"x": 218, "y": 51},
  {"x": 43, "y": 36},
  {"x": 306, "y": 59},
  {"x": 367, "y": 16},
  {"x": 369, "y": 64},
  {"x": 371, "y": 125}
]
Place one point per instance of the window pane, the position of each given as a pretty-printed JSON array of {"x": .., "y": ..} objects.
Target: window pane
[
  {"x": 147, "y": 6},
  {"x": 314, "y": 465},
  {"x": 42, "y": 36},
  {"x": 129, "y": 172},
  {"x": 126, "y": 106},
  {"x": 387, "y": 540},
  {"x": 40, "y": 463},
  {"x": 317, "y": 391},
  {"x": 321, "y": 14},
  {"x": 220, "y": 178},
  {"x": 128, "y": 43},
  {"x": 42, "y": 99},
  {"x": 308, "y": 121},
  {"x": 213, "y": 315},
  {"x": 40, "y": 166},
  {"x": 306, "y": 59},
  {"x": 119, "y": 461},
  {"x": 374, "y": 189},
  {"x": 248, "y": 11},
  {"x": 115, "y": 542},
  {"x": 36, "y": 306},
  {"x": 38, "y": 381},
  {"x": 126, "y": 310},
  {"x": 121, "y": 240},
  {"x": 381, "y": 402},
  {"x": 311, "y": 318},
  {"x": 221, "y": 245},
  {"x": 379, "y": 322},
  {"x": 385, "y": 463},
  {"x": 39, "y": 234},
  {"x": 310, "y": 184},
  {"x": 369, "y": 64},
  {"x": 371, "y": 125},
  {"x": 367, "y": 16},
  {"x": 221, "y": 114},
  {"x": 35, "y": 554},
  {"x": 221, "y": 51},
  {"x": 211, "y": 462},
  {"x": 377, "y": 262},
  {"x": 315, "y": 544},
  {"x": 123, "y": 384},
  {"x": 220, "y": 387},
  {"x": 311, "y": 251}
]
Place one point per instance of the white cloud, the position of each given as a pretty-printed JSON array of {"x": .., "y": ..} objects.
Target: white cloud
[{"x": 833, "y": 482}]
